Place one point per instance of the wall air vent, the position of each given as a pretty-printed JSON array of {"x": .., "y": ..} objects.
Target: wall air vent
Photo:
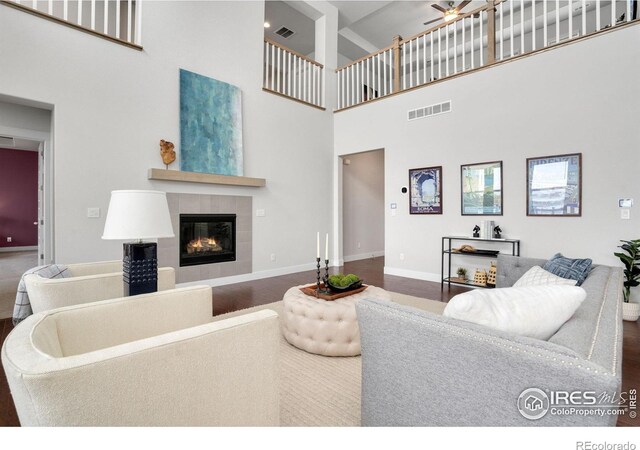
[
  {"x": 6, "y": 141},
  {"x": 428, "y": 111},
  {"x": 284, "y": 32}
]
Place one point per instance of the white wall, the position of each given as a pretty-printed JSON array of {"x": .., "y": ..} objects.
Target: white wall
[
  {"x": 113, "y": 105},
  {"x": 578, "y": 98},
  {"x": 363, "y": 205}
]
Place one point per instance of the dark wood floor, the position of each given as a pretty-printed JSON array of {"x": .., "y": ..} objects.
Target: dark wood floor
[{"x": 245, "y": 295}]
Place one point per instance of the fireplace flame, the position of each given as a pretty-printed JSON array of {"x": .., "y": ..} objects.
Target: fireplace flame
[{"x": 203, "y": 245}]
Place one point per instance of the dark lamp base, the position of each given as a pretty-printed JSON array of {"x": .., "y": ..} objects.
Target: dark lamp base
[{"x": 140, "y": 267}]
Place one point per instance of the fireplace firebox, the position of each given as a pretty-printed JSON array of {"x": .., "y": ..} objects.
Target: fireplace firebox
[{"x": 207, "y": 238}]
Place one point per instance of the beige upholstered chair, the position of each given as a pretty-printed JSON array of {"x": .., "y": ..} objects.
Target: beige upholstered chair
[
  {"x": 89, "y": 282},
  {"x": 148, "y": 360}
]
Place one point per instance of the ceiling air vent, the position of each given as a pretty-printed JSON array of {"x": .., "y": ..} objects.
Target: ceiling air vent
[
  {"x": 6, "y": 141},
  {"x": 428, "y": 111},
  {"x": 284, "y": 32}
]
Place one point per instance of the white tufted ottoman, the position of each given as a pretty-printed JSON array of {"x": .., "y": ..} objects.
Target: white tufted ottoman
[{"x": 328, "y": 328}]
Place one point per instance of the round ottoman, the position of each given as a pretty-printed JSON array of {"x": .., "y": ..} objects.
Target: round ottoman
[{"x": 323, "y": 327}]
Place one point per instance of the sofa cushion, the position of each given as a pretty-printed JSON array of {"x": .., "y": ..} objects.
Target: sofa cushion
[
  {"x": 537, "y": 276},
  {"x": 533, "y": 311},
  {"x": 574, "y": 269}
]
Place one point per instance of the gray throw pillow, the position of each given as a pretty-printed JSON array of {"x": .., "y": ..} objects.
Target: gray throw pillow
[{"x": 573, "y": 269}]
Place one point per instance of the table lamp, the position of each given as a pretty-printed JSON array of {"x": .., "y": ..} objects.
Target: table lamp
[{"x": 138, "y": 215}]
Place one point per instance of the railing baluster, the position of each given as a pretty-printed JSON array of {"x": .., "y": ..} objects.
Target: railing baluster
[
  {"x": 404, "y": 66},
  {"x": 138, "y": 13},
  {"x": 265, "y": 68},
  {"x": 522, "y": 27},
  {"x": 79, "y": 18},
  {"x": 455, "y": 47},
  {"x": 628, "y": 15},
  {"x": 273, "y": 67},
  {"x": 597, "y": 15},
  {"x": 424, "y": 59},
  {"x": 446, "y": 52},
  {"x": 481, "y": 46},
  {"x": 533, "y": 25},
  {"x": 501, "y": 32},
  {"x": 105, "y": 24},
  {"x": 570, "y": 19},
  {"x": 358, "y": 85},
  {"x": 129, "y": 20},
  {"x": 410, "y": 63},
  {"x": 50, "y": 9},
  {"x": 545, "y": 41},
  {"x": 431, "y": 48},
  {"x": 391, "y": 74},
  {"x": 584, "y": 17},
  {"x": 439, "y": 53},
  {"x": 511, "y": 29},
  {"x": 93, "y": 15},
  {"x": 118, "y": 29},
  {"x": 473, "y": 61},
  {"x": 278, "y": 69},
  {"x": 557, "y": 21},
  {"x": 613, "y": 13},
  {"x": 464, "y": 43}
]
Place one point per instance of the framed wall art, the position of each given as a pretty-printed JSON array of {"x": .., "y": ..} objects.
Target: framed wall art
[
  {"x": 481, "y": 189},
  {"x": 425, "y": 193},
  {"x": 554, "y": 185}
]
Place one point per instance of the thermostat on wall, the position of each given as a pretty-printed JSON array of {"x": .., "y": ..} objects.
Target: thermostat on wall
[{"x": 625, "y": 202}]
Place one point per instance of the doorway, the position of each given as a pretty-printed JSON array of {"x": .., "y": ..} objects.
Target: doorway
[{"x": 363, "y": 205}]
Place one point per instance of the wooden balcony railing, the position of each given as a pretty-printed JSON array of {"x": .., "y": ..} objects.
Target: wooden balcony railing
[
  {"x": 116, "y": 20},
  {"x": 495, "y": 32},
  {"x": 292, "y": 75}
]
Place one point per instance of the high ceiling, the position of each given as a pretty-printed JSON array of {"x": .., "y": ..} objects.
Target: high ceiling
[{"x": 363, "y": 26}]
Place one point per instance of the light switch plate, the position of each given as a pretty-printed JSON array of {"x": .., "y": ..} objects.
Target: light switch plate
[
  {"x": 625, "y": 213},
  {"x": 260, "y": 213},
  {"x": 93, "y": 213}
]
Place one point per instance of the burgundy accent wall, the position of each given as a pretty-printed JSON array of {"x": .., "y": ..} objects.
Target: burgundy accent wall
[{"x": 18, "y": 197}]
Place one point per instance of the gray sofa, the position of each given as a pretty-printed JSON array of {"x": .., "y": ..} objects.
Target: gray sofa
[{"x": 422, "y": 369}]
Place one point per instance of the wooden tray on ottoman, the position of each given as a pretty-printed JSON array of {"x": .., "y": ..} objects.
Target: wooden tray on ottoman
[{"x": 311, "y": 292}]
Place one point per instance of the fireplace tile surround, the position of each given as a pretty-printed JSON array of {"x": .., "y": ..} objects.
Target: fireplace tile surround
[{"x": 168, "y": 251}]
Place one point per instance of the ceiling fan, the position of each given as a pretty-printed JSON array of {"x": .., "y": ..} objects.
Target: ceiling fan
[{"x": 449, "y": 13}]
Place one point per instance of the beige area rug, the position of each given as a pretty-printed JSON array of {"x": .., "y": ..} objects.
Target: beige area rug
[
  {"x": 12, "y": 266},
  {"x": 322, "y": 391}
]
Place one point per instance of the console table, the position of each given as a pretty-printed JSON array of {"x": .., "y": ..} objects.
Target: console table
[{"x": 448, "y": 253}]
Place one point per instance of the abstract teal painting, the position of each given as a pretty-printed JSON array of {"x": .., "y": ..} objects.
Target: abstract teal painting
[{"x": 210, "y": 125}]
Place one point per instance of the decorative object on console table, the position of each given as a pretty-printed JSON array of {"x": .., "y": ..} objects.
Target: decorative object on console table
[
  {"x": 481, "y": 189},
  {"x": 480, "y": 277},
  {"x": 476, "y": 231},
  {"x": 491, "y": 277},
  {"x": 138, "y": 215},
  {"x": 630, "y": 259},
  {"x": 167, "y": 152},
  {"x": 496, "y": 232},
  {"x": 486, "y": 227},
  {"x": 554, "y": 185},
  {"x": 425, "y": 190},
  {"x": 462, "y": 274}
]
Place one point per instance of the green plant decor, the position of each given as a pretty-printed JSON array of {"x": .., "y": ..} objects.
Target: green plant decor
[
  {"x": 462, "y": 273},
  {"x": 340, "y": 280},
  {"x": 631, "y": 268}
]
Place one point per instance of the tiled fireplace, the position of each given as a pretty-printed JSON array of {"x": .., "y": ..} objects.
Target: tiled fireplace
[{"x": 212, "y": 237}]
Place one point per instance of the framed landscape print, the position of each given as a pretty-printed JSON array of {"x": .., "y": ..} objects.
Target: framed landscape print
[
  {"x": 425, "y": 190},
  {"x": 554, "y": 185},
  {"x": 481, "y": 189}
]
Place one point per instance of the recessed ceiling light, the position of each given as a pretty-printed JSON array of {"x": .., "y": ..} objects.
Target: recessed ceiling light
[{"x": 267, "y": 24}]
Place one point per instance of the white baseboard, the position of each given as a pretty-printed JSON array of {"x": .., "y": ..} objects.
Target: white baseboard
[
  {"x": 426, "y": 276},
  {"x": 19, "y": 249},
  {"x": 349, "y": 258},
  {"x": 252, "y": 276}
]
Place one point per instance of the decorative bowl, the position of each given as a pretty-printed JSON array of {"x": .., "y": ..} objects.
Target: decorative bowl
[{"x": 352, "y": 286}]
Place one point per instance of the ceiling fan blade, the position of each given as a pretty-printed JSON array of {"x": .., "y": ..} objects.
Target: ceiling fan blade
[
  {"x": 462, "y": 5},
  {"x": 439, "y": 8},
  {"x": 434, "y": 20}
]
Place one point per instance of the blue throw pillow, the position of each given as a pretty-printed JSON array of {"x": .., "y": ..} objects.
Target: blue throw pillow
[{"x": 573, "y": 269}]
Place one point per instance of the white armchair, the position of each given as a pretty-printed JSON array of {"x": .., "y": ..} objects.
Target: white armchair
[
  {"x": 89, "y": 282},
  {"x": 148, "y": 360}
]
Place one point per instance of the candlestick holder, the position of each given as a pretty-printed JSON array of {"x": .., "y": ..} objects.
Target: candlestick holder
[
  {"x": 317, "y": 276},
  {"x": 326, "y": 275}
]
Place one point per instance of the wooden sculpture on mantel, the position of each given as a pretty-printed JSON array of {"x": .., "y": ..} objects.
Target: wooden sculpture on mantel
[{"x": 167, "y": 152}]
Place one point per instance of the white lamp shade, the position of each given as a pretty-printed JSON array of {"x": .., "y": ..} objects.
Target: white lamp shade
[{"x": 138, "y": 215}]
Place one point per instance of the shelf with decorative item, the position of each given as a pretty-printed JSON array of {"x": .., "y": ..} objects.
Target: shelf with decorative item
[
  {"x": 207, "y": 178},
  {"x": 449, "y": 252}
]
